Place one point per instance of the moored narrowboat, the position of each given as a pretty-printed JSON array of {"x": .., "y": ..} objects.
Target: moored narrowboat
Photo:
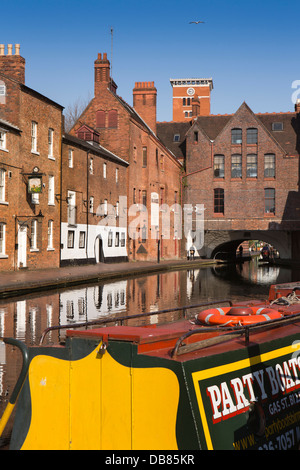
[{"x": 227, "y": 379}]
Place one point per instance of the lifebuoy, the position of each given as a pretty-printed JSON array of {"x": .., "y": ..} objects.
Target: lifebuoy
[{"x": 233, "y": 316}]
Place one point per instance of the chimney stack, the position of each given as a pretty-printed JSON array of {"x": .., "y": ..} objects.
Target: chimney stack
[
  {"x": 102, "y": 74},
  {"x": 12, "y": 65},
  {"x": 144, "y": 102},
  {"x": 195, "y": 106}
]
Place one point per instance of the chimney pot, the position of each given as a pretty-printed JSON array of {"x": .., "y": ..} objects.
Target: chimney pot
[
  {"x": 9, "y": 49},
  {"x": 297, "y": 105},
  {"x": 17, "y": 49},
  {"x": 2, "y": 49}
]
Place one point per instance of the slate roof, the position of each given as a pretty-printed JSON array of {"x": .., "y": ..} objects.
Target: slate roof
[{"x": 288, "y": 138}]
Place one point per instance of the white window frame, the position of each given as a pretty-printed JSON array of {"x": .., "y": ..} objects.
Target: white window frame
[
  {"x": 50, "y": 143},
  {"x": 117, "y": 175},
  {"x": 34, "y": 127},
  {"x": 33, "y": 238},
  {"x": 91, "y": 166},
  {"x": 2, "y": 185},
  {"x": 50, "y": 235},
  {"x": 104, "y": 170},
  {"x": 105, "y": 207},
  {"x": 3, "y": 240},
  {"x": 71, "y": 158},
  {"x": 3, "y": 139},
  {"x": 51, "y": 191},
  {"x": 91, "y": 205}
]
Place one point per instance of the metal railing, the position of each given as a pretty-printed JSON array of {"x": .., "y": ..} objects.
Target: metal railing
[{"x": 129, "y": 317}]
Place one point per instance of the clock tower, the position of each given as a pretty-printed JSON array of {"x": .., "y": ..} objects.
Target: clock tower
[{"x": 187, "y": 90}]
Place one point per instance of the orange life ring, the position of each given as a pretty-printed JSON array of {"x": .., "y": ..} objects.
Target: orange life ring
[{"x": 233, "y": 316}]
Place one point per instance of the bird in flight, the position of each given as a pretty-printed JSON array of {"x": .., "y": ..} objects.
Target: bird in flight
[{"x": 197, "y": 22}]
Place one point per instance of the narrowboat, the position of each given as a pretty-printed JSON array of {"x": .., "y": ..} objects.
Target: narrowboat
[{"x": 227, "y": 378}]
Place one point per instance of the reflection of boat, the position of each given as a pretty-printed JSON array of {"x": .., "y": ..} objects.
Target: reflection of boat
[{"x": 181, "y": 385}]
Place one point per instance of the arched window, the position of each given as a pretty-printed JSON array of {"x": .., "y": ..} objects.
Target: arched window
[
  {"x": 251, "y": 136},
  {"x": 219, "y": 166},
  {"x": 236, "y": 136},
  {"x": 112, "y": 118},
  {"x": 100, "y": 118}
]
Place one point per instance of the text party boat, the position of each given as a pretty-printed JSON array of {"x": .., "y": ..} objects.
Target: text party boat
[{"x": 228, "y": 379}]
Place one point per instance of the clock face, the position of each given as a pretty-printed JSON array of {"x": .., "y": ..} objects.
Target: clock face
[{"x": 190, "y": 91}]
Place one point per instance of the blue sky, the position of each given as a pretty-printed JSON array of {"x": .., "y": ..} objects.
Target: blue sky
[{"x": 250, "y": 49}]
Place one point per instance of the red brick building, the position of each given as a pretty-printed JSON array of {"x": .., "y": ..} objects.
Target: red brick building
[
  {"x": 244, "y": 169},
  {"x": 94, "y": 185},
  {"x": 191, "y": 97},
  {"x": 30, "y": 159},
  {"x": 153, "y": 173}
]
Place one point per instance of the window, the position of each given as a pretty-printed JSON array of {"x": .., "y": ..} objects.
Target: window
[
  {"x": 100, "y": 119},
  {"x": 236, "y": 166},
  {"x": 50, "y": 142},
  {"x": 91, "y": 204},
  {"x": 104, "y": 170},
  {"x": 2, "y": 239},
  {"x": 117, "y": 209},
  {"x": 34, "y": 136},
  {"x": 251, "y": 166},
  {"x": 117, "y": 239},
  {"x": 144, "y": 198},
  {"x": 269, "y": 165},
  {"x": 219, "y": 201},
  {"x": 176, "y": 138},
  {"x": 110, "y": 239},
  {"x": 71, "y": 158},
  {"x": 71, "y": 207},
  {"x": 117, "y": 175},
  {"x": 269, "y": 200},
  {"x": 252, "y": 136},
  {"x": 81, "y": 239},
  {"x": 2, "y": 88},
  {"x": 51, "y": 191},
  {"x": 236, "y": 136},
  {"x": 2, "y": 185},
  {"x": 112, "y": 118},
  {"x": 2, "y": 140},
  {"x": 196, "y": 136},
  {"x": 71, "y": 235},
  {"x": 33, "y": 238},
  {"x": 277, "y": 126},
  {"x": 50, "y": 235},
  {"x": 133, "y": 196},
  {"x": 105, "y": 206},
  {"x": 122, "y": 239},
  {"x": 91, "y": 167},
  {"x": 219, "y": 166},
  {"x": 144, "y": 157}
]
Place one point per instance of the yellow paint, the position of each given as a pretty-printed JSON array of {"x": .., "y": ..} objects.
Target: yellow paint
[
  {"x": 5, "y": 417},
  {"x": 232, "y": 367},
  {"x": 97, "y": 403},
  {"x": 155, "y": 404}
]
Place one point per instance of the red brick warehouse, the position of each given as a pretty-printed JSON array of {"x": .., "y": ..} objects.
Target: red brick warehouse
[
  {"x": 30, "y": 159},
  {"x": 153, "y": 173}
]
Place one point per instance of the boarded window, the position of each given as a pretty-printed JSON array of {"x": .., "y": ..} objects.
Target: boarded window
[
  {"x": 100, "y": 119},
  {"x": 112, "y": 118}
]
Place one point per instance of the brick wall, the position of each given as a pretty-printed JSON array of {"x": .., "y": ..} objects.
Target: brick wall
[{"x": 244, "y": 196}]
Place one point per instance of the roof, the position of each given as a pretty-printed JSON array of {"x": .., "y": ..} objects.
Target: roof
[
  {"x": 93, "y": 147},
  {"x": 212, "y": 125}
]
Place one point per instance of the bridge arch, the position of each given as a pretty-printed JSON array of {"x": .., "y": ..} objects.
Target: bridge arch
[{"x": 228, "y": 241}]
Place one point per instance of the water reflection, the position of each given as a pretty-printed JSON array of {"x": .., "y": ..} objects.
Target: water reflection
[{"x": 26, "y": 318}]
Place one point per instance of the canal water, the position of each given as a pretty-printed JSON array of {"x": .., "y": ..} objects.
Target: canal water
[{"x": 25, "y": 318}]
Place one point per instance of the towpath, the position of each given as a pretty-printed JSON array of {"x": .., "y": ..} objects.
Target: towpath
[{"x": 26, "y": 281}]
